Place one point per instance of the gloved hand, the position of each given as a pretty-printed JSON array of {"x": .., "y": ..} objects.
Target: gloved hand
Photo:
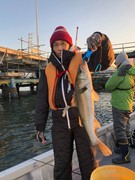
[
  {"x": 123, "y": 69},
  {"x": 94, "y": 41},
  {"x": 40, "y": 137}
]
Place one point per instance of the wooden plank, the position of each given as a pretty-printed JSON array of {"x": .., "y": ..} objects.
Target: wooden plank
[
  {"x": 21, "y": 54},
  {"x": 11, "y": 74},
  {"x": 4, "y": 81},
  {"x": 29, "y": 81},
  {"x": 8, "y": 50},
  {"x": 29, "y": 62}
]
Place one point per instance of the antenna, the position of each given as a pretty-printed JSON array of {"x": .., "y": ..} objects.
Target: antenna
[{"x": 76, "y": 38}]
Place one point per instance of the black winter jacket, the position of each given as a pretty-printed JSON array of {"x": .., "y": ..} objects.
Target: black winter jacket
[
  {"x": 103, "y": 55},
  {"x": 42, "y": 107}
]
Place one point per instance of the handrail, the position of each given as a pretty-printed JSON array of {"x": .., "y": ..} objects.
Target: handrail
[
  {"x": 118, "y": 47},
  {"x": 126, "y": 47},
  {"x": 124, "y": 43}
]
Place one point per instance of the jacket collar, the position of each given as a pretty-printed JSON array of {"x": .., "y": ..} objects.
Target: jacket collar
[{"x": 63, "y": 61}]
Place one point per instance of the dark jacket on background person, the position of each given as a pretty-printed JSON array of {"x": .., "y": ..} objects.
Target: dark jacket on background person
[{"x": 104, "y": 55}]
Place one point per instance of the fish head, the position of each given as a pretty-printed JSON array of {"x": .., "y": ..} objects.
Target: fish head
[{"x": 82, "y": 77}]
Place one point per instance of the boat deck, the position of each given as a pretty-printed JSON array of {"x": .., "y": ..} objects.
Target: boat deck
[
  {"x": 41, "y": 167},
  {"x": 46, "y": 172},
  {"x": 108, "y": 161},
  {"x": 131, "y": 165}
]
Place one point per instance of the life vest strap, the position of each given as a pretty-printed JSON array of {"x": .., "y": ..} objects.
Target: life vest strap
[{"x": 61, "y": 73}]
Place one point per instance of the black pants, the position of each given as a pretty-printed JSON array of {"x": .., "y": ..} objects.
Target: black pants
[
  {"x": 63, "y": 139},
  {"x": 121, "y": 123}
]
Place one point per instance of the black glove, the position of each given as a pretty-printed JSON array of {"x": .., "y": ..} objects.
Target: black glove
[
  {"x": 94, "y": 41},
  {"x": 123, "y": 69},
  {"x": 40, "y": 137}
]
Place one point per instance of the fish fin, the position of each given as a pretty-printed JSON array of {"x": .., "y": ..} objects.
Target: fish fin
[
  {"x": 104, "y": 149},
  {"x": 96, "y": 124},
  {"x": 95, "y": 96},
  {"x": 73, "y": 102},
  {"x": 80, "y": 122}
]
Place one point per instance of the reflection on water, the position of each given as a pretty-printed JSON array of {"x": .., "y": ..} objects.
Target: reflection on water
[{"x": 17, "y": 132}]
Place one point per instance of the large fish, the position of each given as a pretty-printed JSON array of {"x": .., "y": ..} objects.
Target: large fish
[{"x": 84, "y": 97}]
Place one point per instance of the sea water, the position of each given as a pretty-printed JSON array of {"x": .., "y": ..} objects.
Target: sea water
[{"x": 17, "y": 131}]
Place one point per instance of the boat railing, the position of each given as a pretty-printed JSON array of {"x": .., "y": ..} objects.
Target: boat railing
[
  {"x": 125, "y": 47},
  {"x": 119, "y": 47}
]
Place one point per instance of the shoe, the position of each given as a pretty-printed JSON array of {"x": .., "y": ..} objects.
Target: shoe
[
  {"x": 117, "y": 150},
  {"x": 124, "y": 154},
  {"x": 120, "y": 159}
]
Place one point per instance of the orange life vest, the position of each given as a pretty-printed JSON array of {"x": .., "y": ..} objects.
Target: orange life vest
[{"x": 52, "y": 75}]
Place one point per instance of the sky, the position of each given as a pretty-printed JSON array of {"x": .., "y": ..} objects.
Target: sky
[{"x": 115, "y": 18}]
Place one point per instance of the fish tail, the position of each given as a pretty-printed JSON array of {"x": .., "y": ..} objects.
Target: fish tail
[{"x": 104, "y": 149}]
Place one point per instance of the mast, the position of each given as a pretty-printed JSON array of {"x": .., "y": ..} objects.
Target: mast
[
  {"x": 37, "y": 35},
  {"x": 76, "y": 38}
]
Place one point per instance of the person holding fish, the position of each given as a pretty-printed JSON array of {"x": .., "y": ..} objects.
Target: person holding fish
[
  {"x": 122, "y": 88},
  {"x": 56, "y": 91}
]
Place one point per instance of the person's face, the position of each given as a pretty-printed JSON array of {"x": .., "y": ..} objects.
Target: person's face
[{"x": 60, "y": 45}]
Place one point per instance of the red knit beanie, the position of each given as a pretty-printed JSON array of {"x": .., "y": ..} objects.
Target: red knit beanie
[{"x": 60, "y": 33}]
